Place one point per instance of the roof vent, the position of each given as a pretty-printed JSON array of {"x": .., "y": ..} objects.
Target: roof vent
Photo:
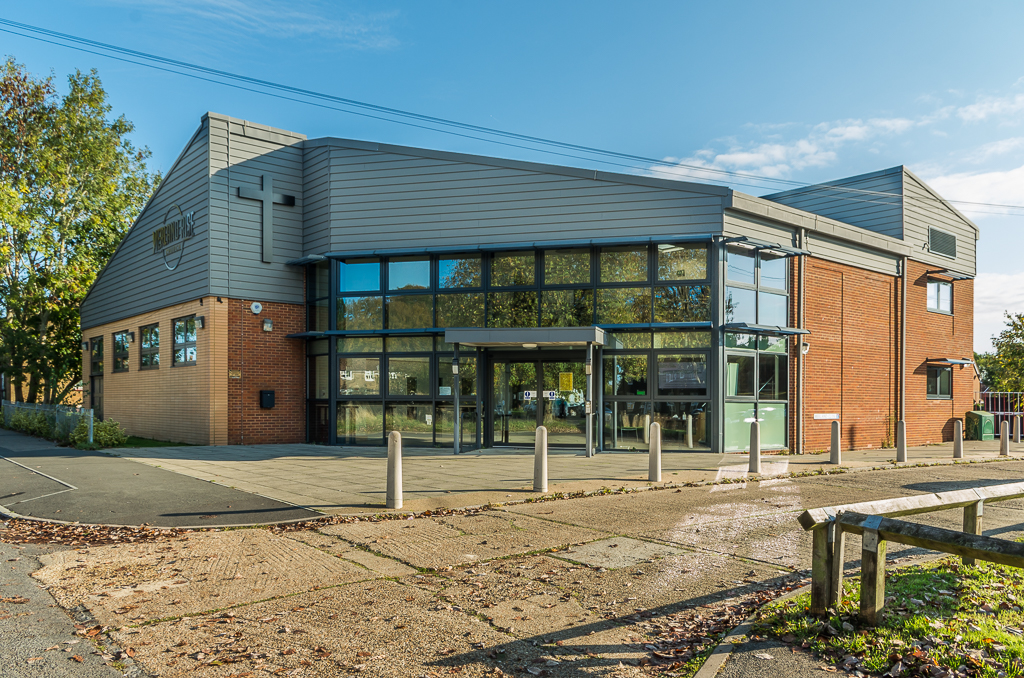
[{"x": 941, "y": 242}]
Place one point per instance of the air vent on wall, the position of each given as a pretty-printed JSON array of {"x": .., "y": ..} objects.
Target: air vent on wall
[{"x": 941, "y": 242}]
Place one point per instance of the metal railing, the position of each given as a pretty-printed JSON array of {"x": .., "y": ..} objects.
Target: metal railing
[
  {"x": 873, "y": 520},
  {"x": 1004, "y": 405},
  {"x": 60, "y": 420}
]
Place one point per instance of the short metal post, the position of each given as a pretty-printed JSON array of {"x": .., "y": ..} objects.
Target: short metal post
[
  {"x": 654, "y": 462},
  {"x": 973, "y": 519},
  {"x": 540, "y": 460},
  {"x": 821, "y": 568},
  {"x": 958, "y": 439},
  {"x": 1004, "y": 439},
  {"x": 90, "y": 425},
  {"x": 872, "y": 577},
  {"x": 755, "y": 447},
  {"x": 835, "y": 454},
  {"x": 1016, "y": 429},
  {"x": 588, "y": 405},
  {"x": 457, "y": 419},
  {"x": 837, "y": 542},
  {"x": 689, "y": 431},
  {"x": 394, "y": 493},
  {"x": 901, "y": 441}
]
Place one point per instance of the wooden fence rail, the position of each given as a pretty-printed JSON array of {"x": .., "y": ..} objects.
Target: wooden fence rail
[{"x": 873, "y": 520}]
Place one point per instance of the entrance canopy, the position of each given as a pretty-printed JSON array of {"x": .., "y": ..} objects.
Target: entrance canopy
[{"x": 526, "y": 337}]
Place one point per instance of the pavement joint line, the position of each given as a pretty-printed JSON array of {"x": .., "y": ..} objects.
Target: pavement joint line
[{"x": 37, "y": 472}]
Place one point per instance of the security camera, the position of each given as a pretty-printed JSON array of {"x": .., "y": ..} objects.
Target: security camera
[{"x": 804, "y": 347}]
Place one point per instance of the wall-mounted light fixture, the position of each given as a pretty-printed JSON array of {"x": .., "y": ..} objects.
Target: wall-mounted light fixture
[
  {"x": 85, "y": 345},
  {"x": 200, "y": 322},
  {"x": 455, "y": 367},
  {"x": 131, "y": 337},
  {"x": 268, "y": 325}
]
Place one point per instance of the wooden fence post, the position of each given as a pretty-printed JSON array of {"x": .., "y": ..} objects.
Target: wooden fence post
[
  {"x": 973, "y": 519},
  {"x": 837, "y": 539},
  {"x": 872, "y": 576},
  {"x": 821, "y": 568}
]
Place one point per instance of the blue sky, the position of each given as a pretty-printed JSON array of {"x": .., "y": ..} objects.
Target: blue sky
[{"x": 806, "y": 91}]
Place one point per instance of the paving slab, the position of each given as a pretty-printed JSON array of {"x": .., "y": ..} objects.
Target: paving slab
[
  {"x": 770, "y": 659},
  {"x": 618, "y": 552},
  {"x": 436, "y": 543},
  {"x": 123, "y": 584}
]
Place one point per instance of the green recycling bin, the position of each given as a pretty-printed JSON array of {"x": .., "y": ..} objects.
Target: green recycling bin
[{"x": 980, "y": 425}]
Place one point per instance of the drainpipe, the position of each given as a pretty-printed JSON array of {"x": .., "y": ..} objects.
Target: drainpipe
[
  {"x": 903, "y": 340},
  {"x": 800, "y": 353}
]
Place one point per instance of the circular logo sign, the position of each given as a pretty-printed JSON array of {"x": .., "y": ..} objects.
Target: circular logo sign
[{"x": 169, "y": 240}]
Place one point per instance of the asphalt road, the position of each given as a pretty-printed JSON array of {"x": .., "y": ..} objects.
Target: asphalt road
[{"x": 39, "y": 480}]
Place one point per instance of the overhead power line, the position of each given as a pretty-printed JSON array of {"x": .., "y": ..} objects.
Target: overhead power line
[{"x": 447, "y": 126}]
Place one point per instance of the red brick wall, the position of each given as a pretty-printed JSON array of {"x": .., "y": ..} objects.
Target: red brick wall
[
  {"x": 937, "y": 335},
  {"x": 852, "y": 367},
  {"x": 259, "y": 360}
]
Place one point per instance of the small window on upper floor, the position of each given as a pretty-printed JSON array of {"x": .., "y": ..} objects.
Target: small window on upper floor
[
  {"x": 942, "y": 243},
  {"x": 121, "y": 351},
  {"x": 940, "y": 296},
  {"x": 940, "y": 383}
]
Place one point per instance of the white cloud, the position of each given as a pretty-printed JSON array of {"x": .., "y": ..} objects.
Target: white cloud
[
  {"x": 279, "y": 18},
  {"x": 988, "y": 107},
  {"x": 1002, "y": 187},
  {"x": 996, "y": 148},
  {"x": 994, "y": 295}
]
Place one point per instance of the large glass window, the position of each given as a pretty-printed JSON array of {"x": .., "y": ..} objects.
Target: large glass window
[
  {"x": 512, "y": 269},
  {"x": 940, "y": 296},
  {"x": 627, "y": 424},
  {"x": 360, "y": 423},
  {"x": 682, "y": 262},
  {"x": 359, "y": 275},
  {"x": 358, "y": 376},
  {"x": 683, "y": 374},
  {"x": 623, "y": 264},
  {"x": 567, "y": 308},
  {"x": 460, "y": 310},
  {"x": 772, "y": 309},
  {"x": 740, "y": 305},
  {"x": 360, "y": 313},
  {"x": 739, "y": 376},
  {"x": 459, "y": 270},
  {"x": 410, "y": 344},
  {"x": 741, "y": 265},
  {"x": 121, "y": 351},
  {"x": 409, "y": 376},
  {"x": 687, "y": 339},
  {"x": 446, "y": 379},
  {"x": 773, "y": 270},
  {"x": 415, "y": 421},
  {"x": 149, "y": 347},
  {"x": 360, "y": 344},
  {"x": 683, "y": 424},
  {"x": 409, "y": 273},
  {"x": 625, "y": 375},
  {"x": 773, "y": 376},
  {"x": 185, "y": 341},
  {"x": 682, "y": 304},
  {"x": 624, "y": 305},
  {"x": 319, "y": 377},
  {"x": 410, "y": 311},
  {"x": 940, "y": 382},
  {"x": 512, "y": 309},
  {"x": 567, "y": 267}
]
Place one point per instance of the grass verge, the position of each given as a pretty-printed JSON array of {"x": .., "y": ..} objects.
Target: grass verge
[{"x": 941, "y": 619}]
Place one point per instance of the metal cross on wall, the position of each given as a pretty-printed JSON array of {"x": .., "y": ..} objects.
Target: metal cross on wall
[{"x": 267, "y": 197}]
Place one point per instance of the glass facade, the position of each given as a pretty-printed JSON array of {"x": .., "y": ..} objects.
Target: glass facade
[{"x": 381, "y": 364}]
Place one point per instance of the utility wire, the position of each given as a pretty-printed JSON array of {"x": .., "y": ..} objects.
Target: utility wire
[{"x": 425, "y": 121}]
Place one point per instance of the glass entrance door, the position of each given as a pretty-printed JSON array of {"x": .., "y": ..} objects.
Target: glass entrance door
[{"x": 530, "y": 394}]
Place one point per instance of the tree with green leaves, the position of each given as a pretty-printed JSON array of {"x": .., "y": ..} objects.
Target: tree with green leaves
[
  {"x": 1009, "y": 360},
  {"x": 71, "y": 184}
]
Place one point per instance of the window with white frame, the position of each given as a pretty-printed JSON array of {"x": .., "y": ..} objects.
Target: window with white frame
[{"x": 940, "y": 296}]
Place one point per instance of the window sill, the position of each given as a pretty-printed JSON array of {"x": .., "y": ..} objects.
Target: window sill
[
  {"x": 934, "y": 397},
  {"x": 940, "y": 312}
]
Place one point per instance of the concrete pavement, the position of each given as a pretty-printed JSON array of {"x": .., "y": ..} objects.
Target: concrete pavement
[
  {"x": 59, "y": 483},
  {"x": 578, "y": 587},
  {"x": 347, "y": 479}
]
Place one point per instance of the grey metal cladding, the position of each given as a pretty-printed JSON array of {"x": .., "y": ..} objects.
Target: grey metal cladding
[
  {"x": 378, "y": 197},
  {"x": 873, "y": 201},
  {"x": 136, "y": 280},
  {"x": 924, "y": 209},
  {"x": 241, "y": 155}
]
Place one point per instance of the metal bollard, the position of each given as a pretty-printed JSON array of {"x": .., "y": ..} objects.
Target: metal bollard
[
  {"x": 1004, "y": 439},
  {"x": 689, "y": 431},
  {"x": 901, "y": 441},
  {"x": 755, "y": 447},
  {"x": 91, "y": 416},
  {"x": 835, "y": 454},
  {"x": 394, "y": 494},
  {"x": 540, "y": 460},
  {"x": 958, "y": 439},
  {"x": 1016, "y": 429},
  {"x": 654, "y": 466}
]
